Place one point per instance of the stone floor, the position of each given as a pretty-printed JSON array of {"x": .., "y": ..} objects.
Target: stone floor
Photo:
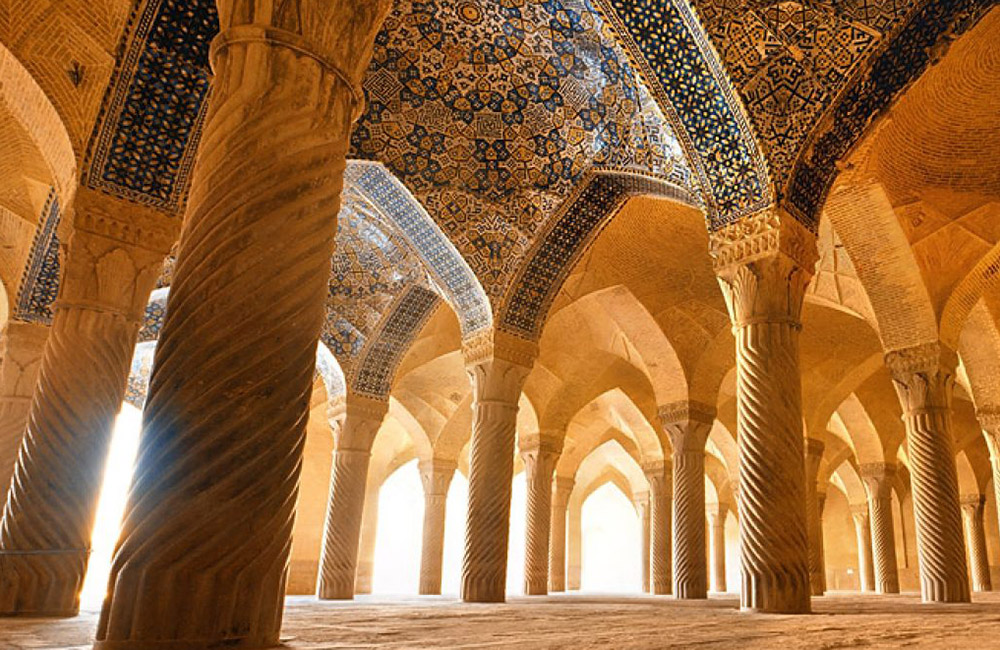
[{"x": 580, "y": 622}]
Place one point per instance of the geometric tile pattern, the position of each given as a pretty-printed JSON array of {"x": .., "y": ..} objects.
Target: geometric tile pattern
[
  {"x": 380, "y": 359},
  {"x": 667, "y": 43},
  {"x": 387, "y": 195},
  {"x": 139, "y": 373},
  {"x": 144, "y": 143},
  {"x": 790, "y": 60},
  {"x": 40, "y": 281},
  {"x": 153, "y": 317},
  {"x": 490, "y": 112},
  {"x": 886, "y": 75},
  {"x": 565, "y": 239}
]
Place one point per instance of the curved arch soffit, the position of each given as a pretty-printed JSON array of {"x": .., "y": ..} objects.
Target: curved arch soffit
[
  {"x": 865, "y": 440},
  {"x": 40, "y": 119},
  {"x": 609, "y": 476},
  {"x": 610, "y": 455},
  {"x": 617, "y": 409},
  {"x": 667, "y": 43},
  {"x": 851, "y": 483},
  {"x": 979, "y": 348},
  {"x": 571, "y": 458},
  {"x": 457, "y": 284}
]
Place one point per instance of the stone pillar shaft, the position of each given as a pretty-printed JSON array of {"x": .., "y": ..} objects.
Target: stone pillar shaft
[
  {"x": 817, "y": 567},
  {"x": 355, "y": 425},
  {"x": 539, "y": 462},
  {"x": 52, "y": 502},
  {"x": 642, "y": 509},
  {"x": 975, "y": 532},
  {"x": 369, "y": 536},
  {"x": 923, "y": 378},
  {"x": 21, "y": 348},
  {"x": 717, "y": 532},
  {"x": 989, "y": 419},
  {"x": 436, "y": 476},
  {"x": 561, "y": 491},
  {"x": 660, "y": 511},
  {"x": 764, "y": 263},
  {"x": 862, "y": 527},
  {"x": 878, "y": 479},
  {"x": 496, "y": 388},
  {"x": 688, "y": 425},
  {"x": 574, "y": 546},
  {"x": 203, "y": 557}
]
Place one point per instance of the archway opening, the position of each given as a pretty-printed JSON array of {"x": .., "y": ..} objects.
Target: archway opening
[
  {"x": 400, "y": 530},
  {"x": 612, "y": 539},
  {"x": 518, "y": 528},
  {"x": 118, "y": 472}
]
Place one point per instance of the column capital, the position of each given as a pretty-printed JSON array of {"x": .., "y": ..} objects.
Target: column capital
[
  {"x": 972, "y": 504},
  {"x": 542, "y": 442},
  {"x": 772, "y": 232},
  {"x": 490, "y": 345},
  {"x": 688, "y": 424},
  {"x": 814, "y": 448},
  {"x": 101, "y": 215},
  {"x": 860, "y": 513},
  {"x": 436, "y": 475},
  {"x": 356, "y": 420},
  {"x": 923, "y": 376},
  {"x": 660, "y": 477},
  {"x": 562, "y": 488},
  {"x": 878, "y": 479},
  {"x": 989, "y": 421},
  {"x": 720, "y": 509}
]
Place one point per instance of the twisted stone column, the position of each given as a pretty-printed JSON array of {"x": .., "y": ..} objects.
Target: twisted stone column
[
  {"x": 975, "y": 532},
  {"x": 49, "y": 515},
  {"x": 820, "y": 505},
  {"x": 660, "y": 497},
  {"x": 436, "y": 475},
  {"x": 203, "y": 557},
  {"x": 496, "y": 384},
  {"x": 862, "y": 527},
  {"x": 21, "y": 347},
  {"x": 561, "y": 491},
  {"x": 878, "y": 479},
  {"x": 817, "y": 566},
  {"x": 764, "y": 263},
  {"x": 717, "y": 532},
  {"x": 574, "y": 546},
  {"x": 540, "y": 454},
  {"x": 924, "y": 378},
  {"x": 641, "y": 502},
  {"x": 989, "y": 419},
  {"x": 688, "y": 425},
  {"x": 355, "y": 424},
  {"x": 369, "y": 535}
]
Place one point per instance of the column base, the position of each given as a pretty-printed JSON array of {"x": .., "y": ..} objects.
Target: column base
[
  {"x": 941, "y": 593},
  {"x": 342, "y": 589},
  {"x": 183, "y": 644},
  {"x": 690, "y": 592},
  {"x": 44, "y": 584},
  {"x": 483, "y": 592},
  {"x": 536, "y": 590}
]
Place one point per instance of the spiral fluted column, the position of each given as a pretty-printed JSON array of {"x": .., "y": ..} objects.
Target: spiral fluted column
[
  {"x": 49, "y": 515},
  {"x": 717, "y": 533},
  {"x": 688, "y": 425},
  {"x": 764, "y": 263},
  {"x": 817, "y": 568},
  {"x": 820, "y": 505},
  {"x": 975, "y": 532},
  {"x": 641, "y": 503},
  {"x": 540, "y": 453},
  {"x": 574, "y": 545},
  {"x": 21, "y": 348},
  {"x": 561, "y": 490},
  {"x": 204, "y": 551},
  {"x": 863, "y": 530},
  {"x": 878, "y": 479},
  {"x": 436, "y": 475},
  {"x": 989, "y": 419},
  {"x": 355, "y": 424},
  {"x": 924, "y": 378},
  {"x": 660, "y": 479},
  {"x": 369, "y": 534},
  {"x": 496, "y": 384}
]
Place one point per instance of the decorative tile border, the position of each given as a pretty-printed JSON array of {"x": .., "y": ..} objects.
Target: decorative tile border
[{"x": 40, "y": 281}]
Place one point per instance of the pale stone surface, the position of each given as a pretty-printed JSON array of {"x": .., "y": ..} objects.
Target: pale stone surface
[{"x": 556, "y": 622}]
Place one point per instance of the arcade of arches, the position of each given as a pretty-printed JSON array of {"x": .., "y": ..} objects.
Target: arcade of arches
[{"x": 520, "y": 302}]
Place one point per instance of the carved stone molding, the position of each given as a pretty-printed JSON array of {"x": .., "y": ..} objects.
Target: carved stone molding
[
  {"x": 122, "y": 221},
  {"x": 355, "y": 421},
  {"x": 768, "y": 233},
  {"x": 492, "y": 343}
]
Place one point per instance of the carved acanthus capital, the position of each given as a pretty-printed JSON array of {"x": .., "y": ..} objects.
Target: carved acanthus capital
[
  {"x": 860, "y": 513},
  {"x": 497, "y": 380},
  {"x": 814, "y": 450},
  {"x": 562, "y": 488},
  {"x": 542, "y": 442},
  {"x": 972, "y": 504},
  {"x": 436, "y": 475},
  {"x": 660, "y": 476},
  {"x": 764, "y": 263},
  {"x": 717, "y": 512},
  {"x": 490, "y": 344},
  {"x": 688, "y": 424},
  {"x": 124, "y": 222},
  {"x": 924, "y": 377},
  {"x": 356, "y": 420},
  {"x": 879, "y": 479}
]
